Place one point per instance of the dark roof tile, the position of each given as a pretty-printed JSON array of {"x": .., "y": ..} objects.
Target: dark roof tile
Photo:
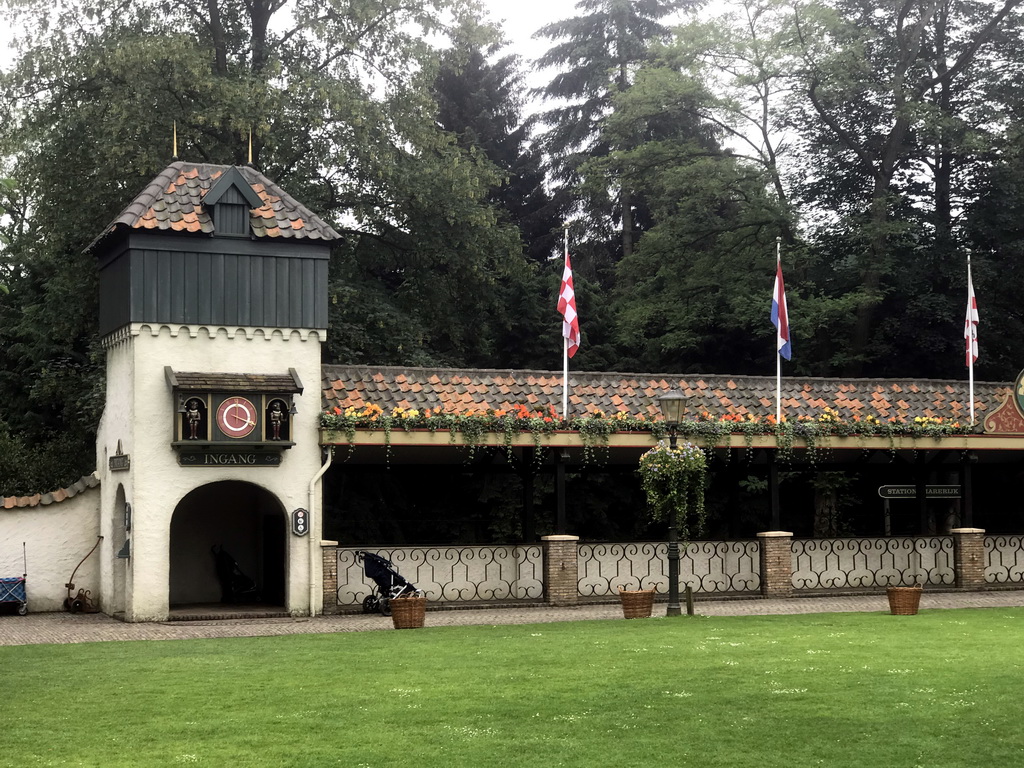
[{"x": 172, "y": 201}]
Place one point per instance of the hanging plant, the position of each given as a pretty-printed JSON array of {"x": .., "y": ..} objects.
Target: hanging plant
[
  {"x": 673, "y": 481},
  {"x": 594, "y": 432}
]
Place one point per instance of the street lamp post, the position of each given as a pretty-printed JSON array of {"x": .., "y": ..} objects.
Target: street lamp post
[{"x": 673, "y": 405}]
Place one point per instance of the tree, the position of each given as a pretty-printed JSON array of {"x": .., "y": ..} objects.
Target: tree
[
  {"x": 877, "y": 85},
  {"x": 693, "y": 294},
  {"x": 600, "y": 51},
  {"x": 994, "y": 235},
  {"x": 480, "y": 98},
  {"x": 745, "y": 58},
  {"x": 338, "y": 97}
]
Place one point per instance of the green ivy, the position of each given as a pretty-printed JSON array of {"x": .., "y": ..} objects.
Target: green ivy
[{"x": 595, "y": 429}]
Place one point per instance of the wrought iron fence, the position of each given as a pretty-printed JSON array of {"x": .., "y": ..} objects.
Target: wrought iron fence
[
  {"x": 452, "y": 574},
  {"x": 706, "y": 566},
  {"x": 865, "y": 563},
  {"x": 1004, "y": 559}
]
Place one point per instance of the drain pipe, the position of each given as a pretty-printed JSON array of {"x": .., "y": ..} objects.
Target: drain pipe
[{"x": 313, "y": 543}]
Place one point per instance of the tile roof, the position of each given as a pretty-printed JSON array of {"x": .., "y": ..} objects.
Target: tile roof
[
  {"x": 54, "y": 497},
  {"x": 190, "y": 381},
  {"x": 636, "y": 393},
  {"x": 173, "y": 202}
]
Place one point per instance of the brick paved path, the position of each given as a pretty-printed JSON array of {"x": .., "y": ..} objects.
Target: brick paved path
[{"x": 90, "y": 628}]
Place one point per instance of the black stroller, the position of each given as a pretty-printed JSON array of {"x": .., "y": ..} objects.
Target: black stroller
[{"x": 388, "y": 582}]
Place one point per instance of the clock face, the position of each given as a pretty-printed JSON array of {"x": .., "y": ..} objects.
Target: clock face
[{"x": 236, "y": 417}]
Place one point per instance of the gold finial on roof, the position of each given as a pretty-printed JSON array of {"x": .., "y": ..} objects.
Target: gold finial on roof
[{"x": 174, "y": 140}]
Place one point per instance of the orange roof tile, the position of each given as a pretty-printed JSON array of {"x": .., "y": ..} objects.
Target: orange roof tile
[
  {"x": 449, "y": 390},
  {"x": 174, "y": 201},
  {"x": 54, "y": 497}
]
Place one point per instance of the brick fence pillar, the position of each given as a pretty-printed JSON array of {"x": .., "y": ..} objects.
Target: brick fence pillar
[
  {"x": 969, "y": 558},
  {"x": 329, "y": 550},
  {"x": 561, "y": 569},
  {"x": 776, "y": 563}
]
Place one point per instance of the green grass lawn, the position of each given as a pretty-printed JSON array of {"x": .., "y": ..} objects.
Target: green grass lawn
[{"x": 939, "y": 689}]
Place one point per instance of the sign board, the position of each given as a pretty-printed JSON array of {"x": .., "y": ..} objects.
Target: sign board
[
  {"x": 300, "y": 522},
  {"x": 910, "y": 491},
  {"x": 229, "y": 458},
  {"x": 120, "y": 460}
]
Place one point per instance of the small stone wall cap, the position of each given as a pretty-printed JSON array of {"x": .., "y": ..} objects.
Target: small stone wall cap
[
  {"x": 328, "y": 543},
  {"x": 967, "y": 530},
  {"x": 560, "y": 537},
  {"x": 774, "y": 534}
]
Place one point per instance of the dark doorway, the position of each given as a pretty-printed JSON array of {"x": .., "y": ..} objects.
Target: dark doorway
[{"x": 229, "y": 519}]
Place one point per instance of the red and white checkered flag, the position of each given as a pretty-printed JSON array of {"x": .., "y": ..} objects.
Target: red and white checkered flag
[
  {"x": 971, "y": 323},
  {"x": 567, "y": 308}
]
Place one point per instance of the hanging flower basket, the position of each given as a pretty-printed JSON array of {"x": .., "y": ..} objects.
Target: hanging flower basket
[{"x": 673, "y": 481}]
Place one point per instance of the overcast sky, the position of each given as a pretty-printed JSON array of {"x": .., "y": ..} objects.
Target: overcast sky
[{"x": 520, "y": 19}]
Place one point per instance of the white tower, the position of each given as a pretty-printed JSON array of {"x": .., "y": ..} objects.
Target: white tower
[{"x": 213, "y": 306}]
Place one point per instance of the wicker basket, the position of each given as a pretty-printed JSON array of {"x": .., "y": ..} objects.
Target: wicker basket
[
  {"x": 408, "y": 612},
  {"x": 903, "y": 601},
  {"x": 637, "y": 604}
]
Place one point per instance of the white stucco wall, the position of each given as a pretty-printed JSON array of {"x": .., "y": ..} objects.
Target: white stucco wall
[
  {"x": 141, "y": 412},
  {"x": 56, "y": 537}
]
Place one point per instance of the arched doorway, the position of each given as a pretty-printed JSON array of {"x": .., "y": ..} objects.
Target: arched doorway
[
  {"x": 120, "y": 567},
  {"x": 223, "y": 522}
]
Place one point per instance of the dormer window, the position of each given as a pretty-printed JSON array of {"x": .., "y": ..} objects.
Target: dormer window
[
  {"x": 229, "y": 202},
  {"x": 231, "y": 214}
]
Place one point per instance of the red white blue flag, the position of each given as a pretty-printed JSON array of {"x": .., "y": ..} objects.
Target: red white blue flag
[
  {"x": 780, "y": 315},
  {"x": 971, "y": 323},
  {"x": 567, "y": 308}
]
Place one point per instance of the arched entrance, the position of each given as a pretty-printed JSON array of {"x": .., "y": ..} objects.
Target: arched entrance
[
  {"x": 120, "y": 535},
  {"x": 220, "y": 523}
]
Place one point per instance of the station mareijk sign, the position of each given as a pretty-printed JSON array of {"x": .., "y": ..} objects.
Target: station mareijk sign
[{"x": 910, "y": 491}]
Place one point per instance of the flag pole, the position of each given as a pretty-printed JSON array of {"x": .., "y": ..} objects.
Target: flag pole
[
  {"x": 565, "y": 348},
  {"x": 971, "y": 302},
  {"x": 778, "y": 356}
]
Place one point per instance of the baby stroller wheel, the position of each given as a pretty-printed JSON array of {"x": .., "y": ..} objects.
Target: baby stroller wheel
[
  {"x": 385, "y": 607},
  {"x": 371, "y": 604}
]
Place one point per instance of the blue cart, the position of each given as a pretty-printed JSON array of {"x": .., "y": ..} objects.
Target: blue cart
[{"x": 13, "y": 591}]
